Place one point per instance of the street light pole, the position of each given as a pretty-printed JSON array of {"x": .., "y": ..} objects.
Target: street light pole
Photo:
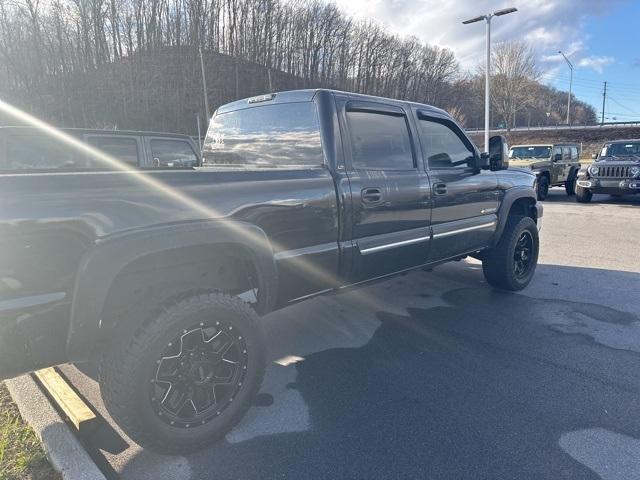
[
  {"x": 487, "y": 80},
  {"x": 204, "y": 86},
  {"x": 570, "y": 85},
  {"x": 487, "y": 87}
]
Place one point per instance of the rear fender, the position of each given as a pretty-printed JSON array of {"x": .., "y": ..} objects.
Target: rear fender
[{"x": 101, "y": 265}]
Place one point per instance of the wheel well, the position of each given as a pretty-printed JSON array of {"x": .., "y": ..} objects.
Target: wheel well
[
  {"x": 146, "y": 283},
  {"x": 523, "y": 207},
  {"x": 546, "y": 174}
]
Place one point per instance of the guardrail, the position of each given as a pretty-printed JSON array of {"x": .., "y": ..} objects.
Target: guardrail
[{"x": 559, "y": 127}]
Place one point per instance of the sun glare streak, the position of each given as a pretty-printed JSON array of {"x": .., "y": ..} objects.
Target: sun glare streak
[{"x": 147, "y": 180}]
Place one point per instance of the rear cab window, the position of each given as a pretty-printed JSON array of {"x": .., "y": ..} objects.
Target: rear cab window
[
  {"x": 379, "y": 140},
  {"x": 279, "y": 135}
]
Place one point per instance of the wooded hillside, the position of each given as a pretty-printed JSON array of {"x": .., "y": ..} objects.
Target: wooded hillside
[{"x": 135, "y": 64}]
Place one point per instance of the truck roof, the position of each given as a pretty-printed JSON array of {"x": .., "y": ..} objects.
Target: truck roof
[
  {"x": 307, "y": 95},
  {"x": 80, "y": 131}
]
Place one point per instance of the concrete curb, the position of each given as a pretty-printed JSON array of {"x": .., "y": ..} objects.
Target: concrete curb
[{"x": 63, "y": 449}]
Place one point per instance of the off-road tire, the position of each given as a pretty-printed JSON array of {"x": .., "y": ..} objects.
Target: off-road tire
[
  {"x": 583, "y": 195},
  {"x": 498, "y": 262},
  {"x": 570, "y": 184},
  {"x": 543, "y": 188},
  {"x": 126, "y": 367}
]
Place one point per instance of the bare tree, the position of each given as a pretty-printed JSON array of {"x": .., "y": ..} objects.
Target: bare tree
[{"x": 514, "y": 77}]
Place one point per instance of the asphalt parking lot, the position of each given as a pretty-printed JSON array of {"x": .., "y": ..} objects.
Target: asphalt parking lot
[{"x": 434, "y": 375}]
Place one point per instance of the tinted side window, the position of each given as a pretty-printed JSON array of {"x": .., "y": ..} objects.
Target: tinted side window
[
  {"x": 556, "y": 151},
  {"x": 380, "y": 141},
  {"x": 566, "y": 153},
  {"x": 173, "y": 153},
  {"x": 277, "y": 135},
  {"x": 443, "y": 147},
  {"x": 34, "y": 152},
  {"x": 122, "y": 148},
  {"x": 574, "y": 153}
]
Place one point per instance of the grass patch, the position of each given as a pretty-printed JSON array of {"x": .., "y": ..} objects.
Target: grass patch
[{"x": 21, "y": 455}]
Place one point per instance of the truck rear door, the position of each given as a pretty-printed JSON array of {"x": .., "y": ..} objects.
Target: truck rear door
[{"x": 390, "y": 191}]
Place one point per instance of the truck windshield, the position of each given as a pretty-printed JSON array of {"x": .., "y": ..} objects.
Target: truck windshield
[
  {"x": 277, "y": 135},
  {"x": 533, "y": 152},
  {"x": 630, "y": 149}
]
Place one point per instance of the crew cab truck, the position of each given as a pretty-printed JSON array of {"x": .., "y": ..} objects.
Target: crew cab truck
[
  {"x": 161, "y": 276},
  {"x": 615, "y": 171},
  {"x": 555, "y": 165},
  {"x": 27, "y": 148}
]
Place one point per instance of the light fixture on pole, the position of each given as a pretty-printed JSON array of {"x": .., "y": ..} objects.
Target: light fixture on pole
[
  {"x": 487, "y": 87},
  {"x": 570, "y": 85}
]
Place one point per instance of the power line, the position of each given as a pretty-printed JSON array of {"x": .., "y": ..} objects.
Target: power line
[{"x": 621, "y": 105}]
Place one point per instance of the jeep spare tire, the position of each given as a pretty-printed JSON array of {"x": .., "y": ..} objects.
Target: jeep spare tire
[{"x": 188, "y": 375}]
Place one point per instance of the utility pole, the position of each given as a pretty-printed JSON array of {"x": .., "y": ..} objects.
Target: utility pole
[
  {"x": 487, "y": 80},
  {"x": 570, "y": 85},
  {"x": 204, "y": 86},
  {"x": 604, "y": 100}
]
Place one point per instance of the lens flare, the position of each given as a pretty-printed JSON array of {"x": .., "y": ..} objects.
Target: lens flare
[{"x": 315, "y": 272}]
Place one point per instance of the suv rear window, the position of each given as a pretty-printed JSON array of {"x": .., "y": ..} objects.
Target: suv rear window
[{"x": 278, "y": 135}]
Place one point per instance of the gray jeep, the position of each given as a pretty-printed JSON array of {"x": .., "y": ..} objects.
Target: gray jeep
[{"x": 615, "y": 171}]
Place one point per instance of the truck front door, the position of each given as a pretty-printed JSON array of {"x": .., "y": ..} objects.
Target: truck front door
[
  {"x": 390, "y": 194},
  {"x": 465, "y": 201}
]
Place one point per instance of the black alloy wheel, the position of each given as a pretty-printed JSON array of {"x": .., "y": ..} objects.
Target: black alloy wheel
[
  {"x": 523, "y": 255},
  {"x": 198, "y": 375}
]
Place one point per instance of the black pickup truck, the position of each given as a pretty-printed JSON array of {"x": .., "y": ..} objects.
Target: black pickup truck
[{"x": 161, "y": 276}]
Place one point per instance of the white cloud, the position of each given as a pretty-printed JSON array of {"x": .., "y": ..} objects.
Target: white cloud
[
  {"x": 597, "y": 63},
  {"x": 551, "y": 25}
]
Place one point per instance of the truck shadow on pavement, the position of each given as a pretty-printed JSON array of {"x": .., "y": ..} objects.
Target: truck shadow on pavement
[{"x": 482, "y": 385}]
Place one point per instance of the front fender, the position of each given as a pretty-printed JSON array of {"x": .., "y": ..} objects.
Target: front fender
[
  {"x": 100, "y": 266},
  {"x": 511, "y": 196}
]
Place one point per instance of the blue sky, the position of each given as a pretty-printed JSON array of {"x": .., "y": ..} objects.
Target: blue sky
[
  {"x": 601, "y": 38},
  {"x": 614, "y": 35}
]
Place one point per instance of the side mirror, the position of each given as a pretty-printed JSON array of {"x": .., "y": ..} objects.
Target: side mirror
[
  {"x": 594, "y": 156},
  {"x": 557, "y": 157},
  {"x": 498, "y": 156}
]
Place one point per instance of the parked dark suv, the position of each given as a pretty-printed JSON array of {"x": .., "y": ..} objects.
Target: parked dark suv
[
  {"x": 616, "y": 171},
  {"x": 26, "y": 148}
]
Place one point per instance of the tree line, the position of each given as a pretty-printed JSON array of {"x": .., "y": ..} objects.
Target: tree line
[{"x": 135, "y": 63}]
